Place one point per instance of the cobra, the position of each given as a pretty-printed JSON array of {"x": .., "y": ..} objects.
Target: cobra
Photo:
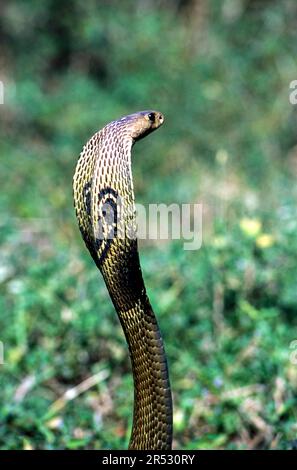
[{"x": 105, "y": 210}]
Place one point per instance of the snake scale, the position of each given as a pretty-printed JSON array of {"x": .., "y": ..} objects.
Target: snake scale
[{"x": 105, "y": 210}]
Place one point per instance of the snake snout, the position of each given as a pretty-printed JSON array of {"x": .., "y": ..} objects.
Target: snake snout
[
  {"x": 156, "y": 119},
  {"x": 160, "y": 118},
  {"x": 143, "y": 123}
]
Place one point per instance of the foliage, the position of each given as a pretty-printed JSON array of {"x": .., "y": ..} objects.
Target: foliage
[{"x": 220, "y": 72}]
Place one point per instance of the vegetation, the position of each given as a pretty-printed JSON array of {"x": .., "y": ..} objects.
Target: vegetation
[{"x": 220, "y": 72}]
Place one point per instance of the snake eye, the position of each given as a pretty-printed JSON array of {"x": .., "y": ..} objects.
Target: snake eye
[{"x": 151, "y": 117}]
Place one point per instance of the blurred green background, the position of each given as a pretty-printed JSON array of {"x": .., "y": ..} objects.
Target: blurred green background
[{"x": 220, "y": 72}]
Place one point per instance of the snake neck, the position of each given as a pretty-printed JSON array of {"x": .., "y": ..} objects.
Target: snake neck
[
  {"x": 152, "y": 421},
  {"x": 120, "y": 267},
  {"x": 104, "y": 201}
]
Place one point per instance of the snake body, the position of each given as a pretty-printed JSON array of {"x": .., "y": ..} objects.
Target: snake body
[{"x": 105, "y": 210}]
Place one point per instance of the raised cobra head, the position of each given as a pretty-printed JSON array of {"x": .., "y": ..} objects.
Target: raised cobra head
[{"x": 105, "y": 210}]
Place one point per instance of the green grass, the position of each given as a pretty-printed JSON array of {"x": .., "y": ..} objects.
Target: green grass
[
  {"x": 227, "y": 313},
  {"x": 228, "y": 310}
]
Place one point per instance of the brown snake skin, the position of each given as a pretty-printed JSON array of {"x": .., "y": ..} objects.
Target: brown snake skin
[{"x": 105, "y": 210}]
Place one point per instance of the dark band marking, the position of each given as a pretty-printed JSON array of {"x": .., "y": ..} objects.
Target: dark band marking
[{"x": 108, "y": 217}]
